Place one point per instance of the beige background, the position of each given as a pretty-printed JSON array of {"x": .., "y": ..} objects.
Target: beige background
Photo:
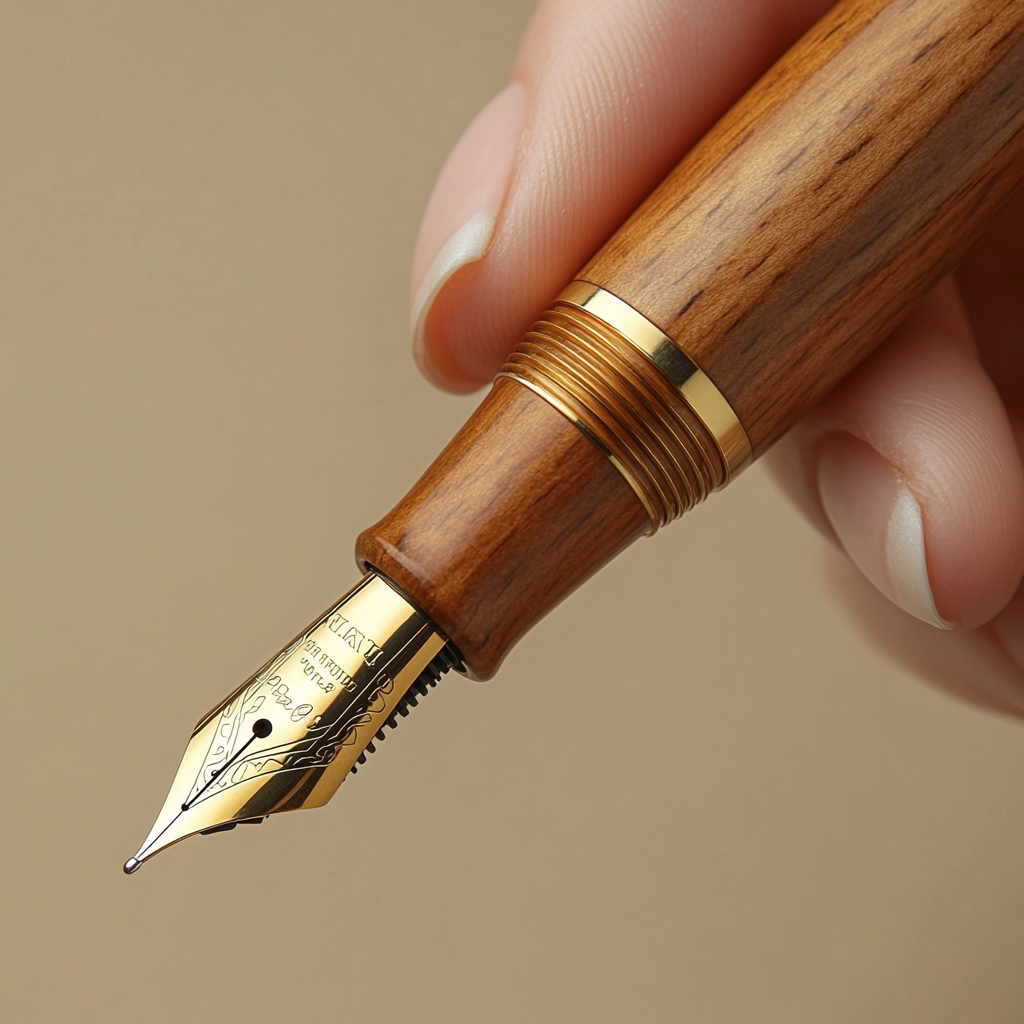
[{"x": 691, "y": 795}]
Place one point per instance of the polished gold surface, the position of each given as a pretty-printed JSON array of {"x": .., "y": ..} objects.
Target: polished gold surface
[
  {"x": 660, "y": 420},
  {"x": 287, "y": 737},
  {"x": 700, "y": 392}
]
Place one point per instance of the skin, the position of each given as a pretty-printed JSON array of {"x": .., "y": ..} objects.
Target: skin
[{"x": 610, "y": 94}]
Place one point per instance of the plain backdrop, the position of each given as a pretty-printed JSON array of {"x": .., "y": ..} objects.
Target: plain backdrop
[{"x": 692, "y": 794}]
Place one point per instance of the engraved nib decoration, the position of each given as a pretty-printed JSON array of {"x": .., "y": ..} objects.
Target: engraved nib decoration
[{"x": 288, "y": 736}]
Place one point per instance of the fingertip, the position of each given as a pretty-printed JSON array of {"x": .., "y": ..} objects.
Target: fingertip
[
  {"x": 435, "y": 359},
  {"x": 912, "y": 465},
  {"x": 443, "y": 361},
  {"x": 951, "y": 437},
  {"x": 879, "y": 523},
  {"x": 459, "y": 224}
]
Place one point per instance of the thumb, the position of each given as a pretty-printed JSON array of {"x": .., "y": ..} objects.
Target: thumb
[{"x": 606, "y": 97}]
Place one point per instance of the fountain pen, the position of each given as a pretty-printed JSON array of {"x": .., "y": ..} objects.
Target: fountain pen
[{"x": 774, "y": 257}]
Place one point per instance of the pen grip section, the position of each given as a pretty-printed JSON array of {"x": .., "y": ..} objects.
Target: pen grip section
[{"x": 517, "y": 512}]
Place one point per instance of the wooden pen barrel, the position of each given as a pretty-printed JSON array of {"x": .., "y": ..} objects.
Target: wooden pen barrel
[
  {"x": 767, "y": 265},
  {"x": 855, "y": 174}
]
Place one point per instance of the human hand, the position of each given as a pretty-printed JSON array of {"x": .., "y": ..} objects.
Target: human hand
[{"x": 912, "y": 466}]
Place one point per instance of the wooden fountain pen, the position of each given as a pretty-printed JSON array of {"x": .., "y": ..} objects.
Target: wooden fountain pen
[{"x": 781, "y": 250}]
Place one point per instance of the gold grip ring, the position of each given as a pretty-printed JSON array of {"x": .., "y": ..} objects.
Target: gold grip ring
[
  {"x": 699, "y": 391},
  {"x": 636, "y": 395}
]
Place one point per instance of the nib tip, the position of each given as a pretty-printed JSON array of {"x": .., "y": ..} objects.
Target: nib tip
[{"x": 131, "y": 865}]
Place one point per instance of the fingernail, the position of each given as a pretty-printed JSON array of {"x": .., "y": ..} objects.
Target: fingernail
[
  {"x": 879, "y": 523},
  {"x": 460, "y": 217}
]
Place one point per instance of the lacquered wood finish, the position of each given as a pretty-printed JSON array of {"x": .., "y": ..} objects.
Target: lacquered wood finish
[
  {"x": 777, "y": 255},
  {"x": 515, "y": 513},
  {"x": 789, "y": 242}
]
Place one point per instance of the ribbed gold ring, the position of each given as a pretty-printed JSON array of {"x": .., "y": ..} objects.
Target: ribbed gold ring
[
  {"x": 709, "y": 404},
  {"x": 631, "y": 390}
]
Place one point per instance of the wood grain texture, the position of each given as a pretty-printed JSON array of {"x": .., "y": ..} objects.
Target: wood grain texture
[
  {"x": 792, "y": 239},
  {"x": 515, "y": 513},
  {"x": 777, "y": 255}
]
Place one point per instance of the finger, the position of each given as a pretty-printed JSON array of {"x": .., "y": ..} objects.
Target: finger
[
  {"x": 606, "y": 97},
  {"x": 984, "y": 665},
  {"x": 912, "y": 466}
]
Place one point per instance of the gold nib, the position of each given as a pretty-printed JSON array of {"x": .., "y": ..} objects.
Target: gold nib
[{"x": 288, "y": 736}]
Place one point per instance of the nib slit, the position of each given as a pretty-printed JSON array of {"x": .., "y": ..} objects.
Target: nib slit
[{"x": 260, "y": 731}]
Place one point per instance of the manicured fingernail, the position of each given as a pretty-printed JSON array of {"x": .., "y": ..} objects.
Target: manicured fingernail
[
  {"x": 460, "y": 217},
  {"x": 879, "y": 522}
]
